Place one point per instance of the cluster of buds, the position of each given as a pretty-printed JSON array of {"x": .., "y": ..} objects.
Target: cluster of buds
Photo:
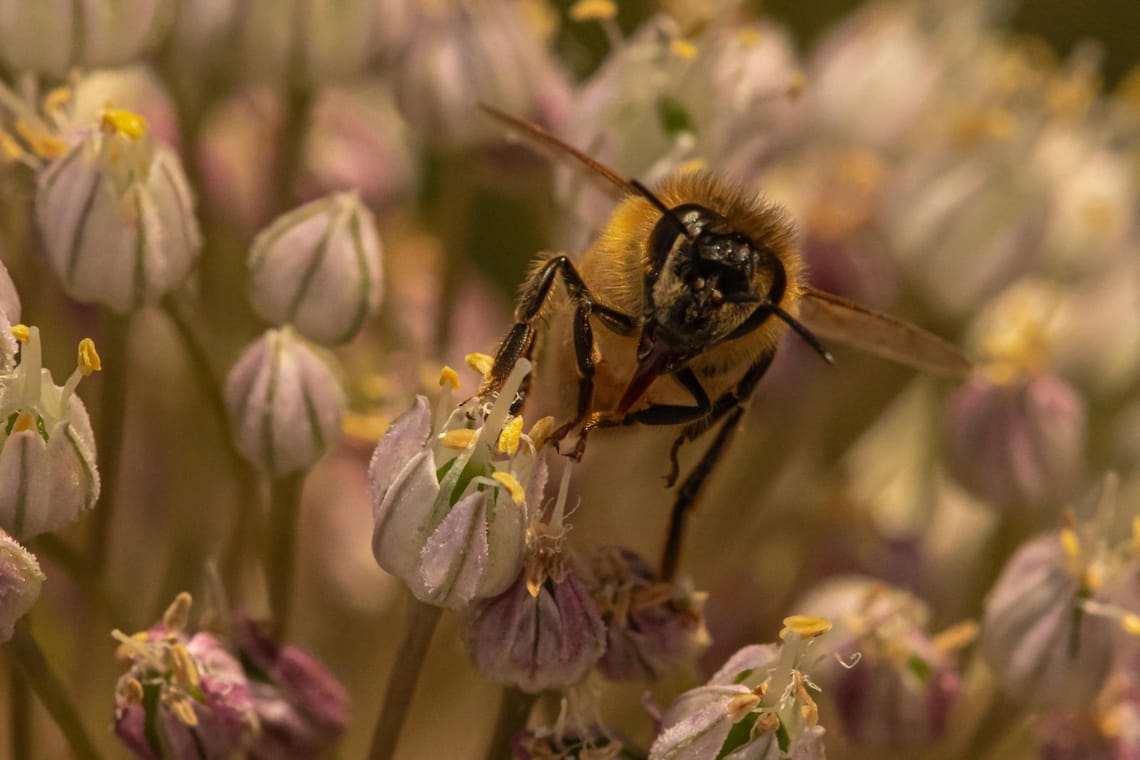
[
  {"x": 199, "y": 696},
  {"x": 759, "y": 704}
]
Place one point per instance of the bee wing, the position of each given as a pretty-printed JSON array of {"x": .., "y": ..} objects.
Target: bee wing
[
  {"x": 557, "y": 148},
  {"x": 836, "y": 318}
]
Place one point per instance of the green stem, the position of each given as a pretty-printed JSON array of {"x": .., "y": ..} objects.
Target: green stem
[
  {"x": 109, "y": 434},
  {"x": 20, "y": 713},
  {"x": 201, "y": 364},
  {"x": 419, "y": 624},
  {"x": 514, "y": 710},
  {"x": 284, "y": 510},
  {"x": 37, "y": 673},
  {"x": 451, "y": 214},
  {"x": 297, "y": 105}
]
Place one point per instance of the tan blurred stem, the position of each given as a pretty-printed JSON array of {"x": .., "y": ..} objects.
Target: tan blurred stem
[
  {"x": 37, "y": 673},
  {"x": 19, "y": 713},
  {"x": 297, "y": 106},
  {"x": 451, "y": 215},
  {"x": 419, "y": 624},
  {"x": 109, "y": 434},
  {"x": 514, "y": 710},
  {"x": 280, "y": 560}
]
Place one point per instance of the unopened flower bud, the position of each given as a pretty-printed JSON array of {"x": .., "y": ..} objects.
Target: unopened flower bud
[
  {"x": 116, "y": 216},
  {"x": 1016, "y": 441},
  {"x": 449, "y": 501},
  {"x": 20, "y": 582},
  {"x": 892, "y": 685},
  {"x": 311, "y": 40},
  {"x": 1043, "y": 645},
  {"x": 285, "y": 403},
  {"x": 302, "y": 709},
  {"x": 47, "y": 450},
  {"x": 183, "y": 697},
  {"x": 318, "y": 269},
  {"x": 651, "y": 626},
  {"x": 9, "y": 318},
  {"x": 53, "y": 39}
]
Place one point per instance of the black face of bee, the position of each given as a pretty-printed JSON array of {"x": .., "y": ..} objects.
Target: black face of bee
[{"x": 704, "y": 283}]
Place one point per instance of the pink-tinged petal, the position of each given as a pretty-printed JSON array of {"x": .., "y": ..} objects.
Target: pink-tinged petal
[
  {"x": 403, "y": 518},
  {"x": 406, "y": 437},
  {"x": 696, "y": 725},
  {"x": 454, "y": 558}
]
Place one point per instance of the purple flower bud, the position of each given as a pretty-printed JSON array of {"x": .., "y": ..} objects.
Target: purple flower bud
[
  {"x": 1044, "y": 647},
  {"x": 547, "y": 637},
  {"x": 20, "y": 582},
  {"x": 285, "y": 403},
  {"x": 116, "y": 216},
  {"x": 651, "y": 627},
  {"x": 895, "y": 686},
  {"x": 52, "y": 38},
  {"x": 318, "y": 269},
  {"x": 1018, "y": 443},
  {"x": 449, "y": 500},
  {"x": 183, "y": 697},
  {"x": 47, "y": 449},
  {"x": 301, "y": 708}
]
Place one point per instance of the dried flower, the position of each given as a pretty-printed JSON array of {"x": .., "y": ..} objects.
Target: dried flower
[
  {"x": 47, "y": 449},
  {"x": 651, "y": 627},
  {"x": 450, "y": 495},
  {"x": 318, "y": 269},
  {"x": 301, "y": 708},
  {"x": 183, "y": 697},
  {"x": 20, "y": 582},
  {"x": 116, "y": 216},
  {"x": 285, "y": 403},
  {"x": 53, "y": 38}
]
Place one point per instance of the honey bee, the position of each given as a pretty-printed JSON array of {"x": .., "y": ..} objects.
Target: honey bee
[{"x": 692, "y": 285}]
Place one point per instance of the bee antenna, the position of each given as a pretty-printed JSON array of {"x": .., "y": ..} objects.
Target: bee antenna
[
  {"x": 802, "y": 331},
  {"x": 660, "y": 206}
]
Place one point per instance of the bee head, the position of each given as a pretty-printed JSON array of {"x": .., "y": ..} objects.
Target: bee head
[{"x": 705, "y": 280}]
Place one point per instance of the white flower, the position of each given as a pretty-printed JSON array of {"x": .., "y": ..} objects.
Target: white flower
[
  {"x": 116, "y": 216},
  {"x": 47, "y": 449},
  {"x": 318, "y": 269},
  {"x": 20, "y": 582},
  {"x": 285, "y": 403}
]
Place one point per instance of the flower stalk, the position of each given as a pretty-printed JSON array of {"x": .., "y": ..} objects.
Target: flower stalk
[
  {"x": 514, "y": 711},
  {"x": 109, "y": 434},
  {"x": 284, "y": 510}
]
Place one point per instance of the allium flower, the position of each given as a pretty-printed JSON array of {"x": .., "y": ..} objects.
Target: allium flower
[
  {"x": 9, "y": 317},
  {"x": 545, "y": 631},
  {"x": 318, "y": 269},
  {"x": 52, "y": 36},
  {"x": 450, "y": 493},
  {"x": 285, "y": 403},
  {"x": 1039, "y": 633},
  {"x": 759, "y": 705},
  {"x": 1015, "y": 438},
  {"x": 651, "y": 627},
  {"x": 463, "y": 52},
  {"x": 183, "y": 697},
  {"x": 899, "y": 694},
  {"x": 301, "y": 708},
  {"x": 47, "y": 449},
  {"x": 116, "y": 216},
  {"x": 20, "y": 582}
]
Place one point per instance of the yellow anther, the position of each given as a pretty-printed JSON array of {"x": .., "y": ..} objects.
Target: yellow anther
[
  {"x": 807, "y": 626},
  {"x": 57, "y": 100},
  {"x": 26, "y": 421},
  {"x": 509, "y": 437},
  {"x": 683, "y": 49},
  {"x": 1071, "y": 544},
  {"x": 692, "y": 165},
  {"x": 957, "y": 636},
  {"x": 43, "y": 144},
  {"x": 10, "y": 150},
  {"x": 183, "y": 709},
  {"x": 177, "y": 615},
  {"x": 740, "y": 706},
  {"x": 766, "y": 723},
  {"x": 1130, "y": 622},
  {"x": 540, "y": 432},
  {"x": 513, "y": 486},
  {"x": 89, "y": 360},
  {"x": 122, "y": 122},
  {"x": 364, "y": 427},
  {"x": 185, "y": 671},
  {"x": 21, "y": 333},
  {"x": 481, "y": 363},
  {"x": 448, "y": 378},
  {"x": 457, "y": 439},
  {"x": 593, "y": 10},
  {"x": 132, "y": 691}
]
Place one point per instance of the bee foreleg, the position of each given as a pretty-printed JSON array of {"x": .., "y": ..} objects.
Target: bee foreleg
[
  {"x": 689, "y": 491},
  {"x": 584, "y": 356}
]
